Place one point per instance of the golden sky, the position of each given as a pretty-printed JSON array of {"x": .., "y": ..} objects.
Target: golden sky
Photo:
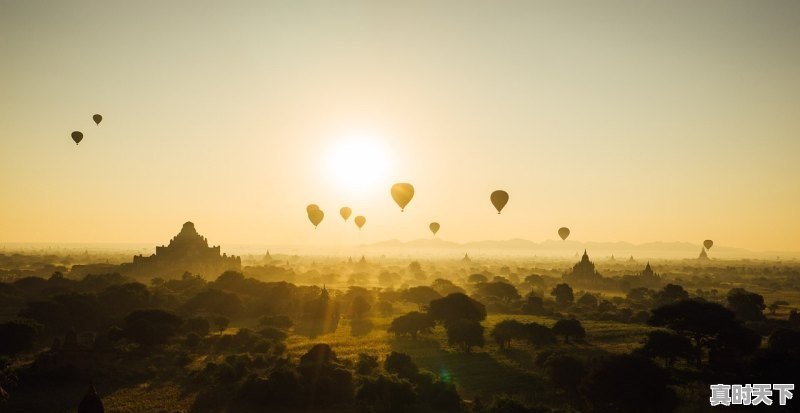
[{"x": 623, "y": 120}]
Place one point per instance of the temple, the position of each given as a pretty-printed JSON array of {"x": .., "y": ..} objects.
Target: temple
[
  {"x": 187, "y": 252},
  {"x": 583, "y": 272},
  {"x": 646, "y": 278}
]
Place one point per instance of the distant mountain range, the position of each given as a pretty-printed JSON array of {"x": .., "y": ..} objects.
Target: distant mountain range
[{"x": 557, "y": 248}]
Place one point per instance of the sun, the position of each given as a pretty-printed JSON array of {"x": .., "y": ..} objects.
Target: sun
[{"x": 357, "y": 162}]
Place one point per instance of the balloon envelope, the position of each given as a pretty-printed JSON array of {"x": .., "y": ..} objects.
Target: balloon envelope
[
  {"x": 499, "y": 199},
  {"x": 402, "y": 194},
  {"x": 563, "y": 232},
  {"x": 434, "y": 226},
  {"x": 345, "y": 213},
  {"x": 360, "y": 221},
  {"x": 77, "y": 137},
  {"x": 315, "y": 216},
  {"x": 97, "y": 118},
  {"x": 708, "y": 244},
  {"x": 311, "y": 207}
]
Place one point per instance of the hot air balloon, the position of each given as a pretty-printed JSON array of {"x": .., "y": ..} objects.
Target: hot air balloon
[
  {"x": 77, "y": 137},
  {"x": 311, "y": 207},
  {"x": 360, "y": 221},
  {"x": 499, "y": 199},
  {"x": 708, "y": 244},
  {"x": 434, "y": 226},
  {"x": 315, "y": 216},
  {"x": 563, "y": 232},
  {"x": 402, "y": 194},
  {"x": 345, "y": 213},
  {"x": 97, "y": 119}
]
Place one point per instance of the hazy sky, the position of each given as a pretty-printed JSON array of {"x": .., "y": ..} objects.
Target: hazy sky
[{"x": 624, "y": 120}]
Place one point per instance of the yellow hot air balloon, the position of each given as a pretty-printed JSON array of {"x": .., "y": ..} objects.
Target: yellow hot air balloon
[
  {"x": 360, "y": 221},
  {"x": 311, "y": 207},
  {"x": 97, "y": 118},
  {"x": 708, "y": 244},
  {"x": 402, "y": 194},
  {"x": 499, "y": 199},
  {"x": 77, "y": 137},
  {"x": 563, "y": 232},
  {"x": 434, "y": 226},
  {"x": 315, "y": 216},
  {"x": 345, "y": 213}
]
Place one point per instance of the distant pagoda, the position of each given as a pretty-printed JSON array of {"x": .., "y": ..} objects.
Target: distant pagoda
[
  {"x": 703, "y": 255},
  {"x": 583, "y": 272},
  {"x": 466, "y": 258},
  {"x": 187, "y": 252},
  {"x": 646, "y": 278}
]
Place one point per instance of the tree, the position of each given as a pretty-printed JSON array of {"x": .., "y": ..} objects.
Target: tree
[
  {"x": 477, "y": 278},
  {"x": 507, "y": 330},
  {"x": 699, "y": 321},
  {"x": 324, "y": 378},
  {"x": 386, "y": 394},
  {"x": 668, "y": 346},
  {"x": 539, "y": 335},
  {"x": 421, "y": 295},
  {"x": 445, "y": 287},
  {"x": 221, "y": 322},
  {"x": 124, "y": 298},
  {"x": 565, "y": 372},
  {"x": 569, "y": 327},
  {"x": 66, "y": 311},
  {"x": 671, "y": 293},
  {"x": 216, "y": 302},
  {"x": 534, "y": 305},
  {"x": 150, "y": 328},
  {"x": 732, "y": 345},
  {"x": 359, "y": 307},
  {"x": 412, "y": 324},
  {"x": 640, "y": 295},
  {"x": 456, "y": 307},
  {"x": 16, "y": 337},
  {"x": 588, "y": 301},
  {"x": 401, "y": 365},
  {"x": 366, "y": 364},
  {"x": 465, "y": 333},
  {"x": 629, "y": 384},
  {"x": 502, "y": 291},
  {"x": 563, "y": 294},
  {"x": 746, "y": 305}
]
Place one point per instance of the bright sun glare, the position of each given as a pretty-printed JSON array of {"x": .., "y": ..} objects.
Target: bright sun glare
[{"x": 358, "y": 163}]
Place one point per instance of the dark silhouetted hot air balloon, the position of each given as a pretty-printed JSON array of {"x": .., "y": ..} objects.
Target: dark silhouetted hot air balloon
[
  {"x": 311, "y": 207},
  {"x": 499, "y": 199},
  {"x": 563, "y": 232},
  {"x": 97, "y": 118},
  {"x": 345, "y": 213},
  {"x": 315, "y": 216},
  {"x": 360, "y": 221},
  {"x": 77, "y": 137},
  {"x": 708, "y": 244},
  {"x": 402, "y": 194},
  {"x": 434, "y": 226}
]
